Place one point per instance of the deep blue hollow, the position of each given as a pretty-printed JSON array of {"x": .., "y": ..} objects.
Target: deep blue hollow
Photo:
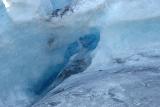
[{"x": 88, "y": 42}]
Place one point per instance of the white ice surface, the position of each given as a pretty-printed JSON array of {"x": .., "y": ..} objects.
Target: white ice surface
[{"x": 127, "y": 86}]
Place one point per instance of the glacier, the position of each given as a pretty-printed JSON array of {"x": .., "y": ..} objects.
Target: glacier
[{"x": 79, "y": 53}]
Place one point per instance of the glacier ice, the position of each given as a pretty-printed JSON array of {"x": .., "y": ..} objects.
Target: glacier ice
[
  {"x": 26, "y": 10},
  {"x": 115, "y": 43},
  {"x": 57, "y": 4}
]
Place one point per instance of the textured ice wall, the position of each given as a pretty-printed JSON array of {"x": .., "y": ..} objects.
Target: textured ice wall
[
  {"x": 33, "y": 49},
  {"x": 128, "y": 27},
  {"x": 30, "y": 50}
]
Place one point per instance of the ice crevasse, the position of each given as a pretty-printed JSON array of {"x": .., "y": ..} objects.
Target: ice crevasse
[{"x": 40, "y": 50}]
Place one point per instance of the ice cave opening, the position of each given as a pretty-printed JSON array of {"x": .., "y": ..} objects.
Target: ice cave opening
[{"x": 82, "y": 49}]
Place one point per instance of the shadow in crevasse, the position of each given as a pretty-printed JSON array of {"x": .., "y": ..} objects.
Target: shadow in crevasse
[{"x": 76, "y": 59}]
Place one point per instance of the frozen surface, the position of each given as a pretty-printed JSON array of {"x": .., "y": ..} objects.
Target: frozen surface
[
  {"x": 57, "y": 4},
  {"x": 115, "y": 43},
  {"x": 20, "y": 10},
  {"x": 127, "y": 86}
]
